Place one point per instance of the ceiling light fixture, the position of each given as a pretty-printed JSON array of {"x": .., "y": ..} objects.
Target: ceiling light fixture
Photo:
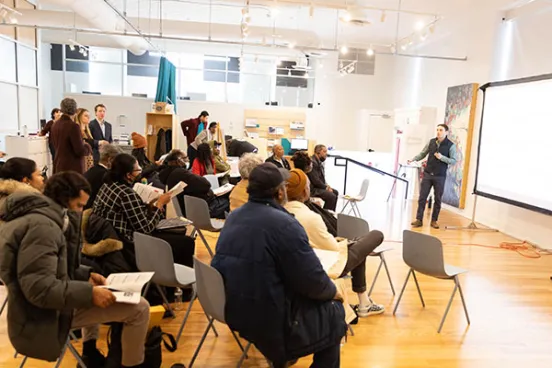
[
  {"x": 311, "y": 10},
  {"x": 346, "y": 17},
  {"x": 344, "y": 50},
  {"x": 393, "y": 49},
  {"x": 419, "y": 25},
  {"x": 347, "y": 69},
  {"x": 291, "y": 45},
  {"x": 370, "y": 51},
  {"x": 432, "y": 28},
  {"x": 383, "y": 16},
  {"x": 8, "y": 15}
]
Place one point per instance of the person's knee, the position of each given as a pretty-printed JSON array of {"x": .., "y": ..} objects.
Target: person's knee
[
  {"x": 142, "y": 310},
  {"x": 377, "y": 235}
]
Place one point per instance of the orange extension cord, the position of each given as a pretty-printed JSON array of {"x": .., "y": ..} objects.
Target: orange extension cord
[{"x": 523, "y": 248}]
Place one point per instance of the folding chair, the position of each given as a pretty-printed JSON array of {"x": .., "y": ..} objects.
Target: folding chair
[
  {"x": 351, "y": 227},
  {"x": 424, "y": 254},
  {"x": 353, "y": 200},
  {"x": 213, "y": 180},
  {"x": 197, "y": 211},
  {"x": 155, "y": 255},
  {"x": 67, "y": 345},
  {"x": 212, "y": 296}
]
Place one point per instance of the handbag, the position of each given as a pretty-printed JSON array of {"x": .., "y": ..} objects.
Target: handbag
[{"x": 153, "y": 357}]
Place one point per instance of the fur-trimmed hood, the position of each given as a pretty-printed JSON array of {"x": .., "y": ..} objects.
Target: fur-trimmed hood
[{"x": 9, "y": 186}]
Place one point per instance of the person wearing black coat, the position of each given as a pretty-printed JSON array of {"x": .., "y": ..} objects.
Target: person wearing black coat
[
  {"x": 317, "y": 176},
  {"x": 95, "y": 175},
  {"x": 278, "y": 296},
  {"x": 236, "y": 148},
  {"x": 278, "y": 158}
]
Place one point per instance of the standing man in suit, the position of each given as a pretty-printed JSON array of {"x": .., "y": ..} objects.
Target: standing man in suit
[
  {"x": 278, "y": 158},
  {"x": 95, "y": 175},
  {"x": 101, "y": 131},
  {"x": 441, "y": 153},
  {"x": 317, "y": 177}
]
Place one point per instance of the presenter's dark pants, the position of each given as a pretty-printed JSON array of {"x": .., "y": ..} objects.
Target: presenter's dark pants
[{"x": 438, "y": 184}]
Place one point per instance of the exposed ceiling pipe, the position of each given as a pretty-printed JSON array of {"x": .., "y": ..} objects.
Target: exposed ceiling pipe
[{"x": 103, "y": 16}]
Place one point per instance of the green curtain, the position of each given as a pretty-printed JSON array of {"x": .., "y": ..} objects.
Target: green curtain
[{"x": 166, "y": 82}]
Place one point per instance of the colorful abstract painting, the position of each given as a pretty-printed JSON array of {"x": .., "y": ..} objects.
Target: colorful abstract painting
[{"x": 459, "y": 116}]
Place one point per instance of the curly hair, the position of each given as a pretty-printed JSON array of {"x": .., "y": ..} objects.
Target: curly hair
[
  {"x": 65, "y": 186},
  {"x": 302, "y": 161}
]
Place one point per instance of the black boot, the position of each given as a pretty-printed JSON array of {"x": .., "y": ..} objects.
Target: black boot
[{"x": 91, "y": 356}]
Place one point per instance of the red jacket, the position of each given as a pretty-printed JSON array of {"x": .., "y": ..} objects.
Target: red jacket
[
  {"x": 199, "y": 169},
  {"x": 189, "y": 128}
]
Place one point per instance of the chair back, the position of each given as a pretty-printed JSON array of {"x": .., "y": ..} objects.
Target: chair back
[
  {"x": 197, "y": 211},
  {"x": 424, "y": 253},
  {"x": 350, "y": 227},
  {"x": 213, "y": 180},
  {"x": 155, "y": 255},
  {"x": 210, "y": 290},
  {"x": 177, "y": 209},
  {"x": 363, "y": 189}
]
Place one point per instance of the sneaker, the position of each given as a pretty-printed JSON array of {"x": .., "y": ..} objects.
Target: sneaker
[
  {"x": 417, "y": 223},
  {"x": 371, "y": 310},
  {"x": 434, "y": 224}
]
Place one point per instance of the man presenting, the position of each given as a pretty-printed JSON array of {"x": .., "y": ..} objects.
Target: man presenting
[
  {"x": 442, "y": 152},
  {"x": 100, "y": 130},
  {"x": 317, "y": 178}
]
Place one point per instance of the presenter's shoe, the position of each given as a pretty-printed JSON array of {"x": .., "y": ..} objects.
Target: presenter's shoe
[
  {"x": 417, "y": 223},
  {"x": 434, "y": 224}
]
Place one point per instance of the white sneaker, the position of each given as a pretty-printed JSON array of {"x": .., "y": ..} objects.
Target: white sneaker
[{"x": 370, "y": 310}]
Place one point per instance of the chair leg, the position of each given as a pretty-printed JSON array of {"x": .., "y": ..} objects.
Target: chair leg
[
  {"x": 375, "y": 278},
  {"x": 76, "y": 355},
  {"x": 169, "y": 308},
  {"x": 205, "y": 242},
  {"x": 359, "y": 215},
  {"x": 351, "y": 330},
  {"x": 238, "y": 341},
  {"x": 387, "y": 271},
  {"x": 345, "y": 206},
  {"x": 201, "y": 343},
  {"x": 448, "y": 307},
  {"x": 4, "y": 306},
  {"x": 418, "y": 287},
  {"x": 402, "y": 291},
  {"x": 213, "y": 325},
  {"x": 23, "y": 362},
  {"x": 457, "y": 281},
  {"x": 61, "y": 356},
  {"x": 194, "y": 296},
  {"x": 244, "y": 355}
]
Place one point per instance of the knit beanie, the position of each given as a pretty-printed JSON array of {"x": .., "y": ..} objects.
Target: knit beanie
[
  {"x": 296, "y": 183},
  {"x": 138, "y": 141}
]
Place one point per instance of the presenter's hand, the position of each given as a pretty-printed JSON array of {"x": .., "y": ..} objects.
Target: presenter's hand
[{"x": 438, "y": 155}]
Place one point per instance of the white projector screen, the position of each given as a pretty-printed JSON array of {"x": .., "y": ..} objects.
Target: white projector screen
[{"x": 515, "y": 144}]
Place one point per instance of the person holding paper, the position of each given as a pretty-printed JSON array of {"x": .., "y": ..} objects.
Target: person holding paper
[
  {"x": 277, "y": 293},
  {"x": 49, "y": 291},
  {"x": 351, "y": 258}
]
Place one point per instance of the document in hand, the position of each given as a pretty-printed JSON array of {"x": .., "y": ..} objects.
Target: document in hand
[
  {"x": 148, "y": 193},
  {"x": 226, "y": 188},
  {"x": 127, "y": 287},
  {"x": 327, "y": 257},
  {"x": 220, "y": 175}
]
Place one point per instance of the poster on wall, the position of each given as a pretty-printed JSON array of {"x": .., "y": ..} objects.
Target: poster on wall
[{"x": 459, "y": 117}]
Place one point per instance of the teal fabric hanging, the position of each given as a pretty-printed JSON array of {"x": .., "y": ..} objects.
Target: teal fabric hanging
[{"x": 166, "y": 82}]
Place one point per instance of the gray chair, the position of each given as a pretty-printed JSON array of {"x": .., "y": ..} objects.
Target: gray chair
[
  {"x": 351, "y": 227},
  {"x": 353, "y": 200},
  {"x": 197, "y": 211},
  {"x": 213, "y": 180},
  {"x": 212, "y": 297},
  {"x": 67, "y": 346},
  {"x": 4, "y": 305},
  {"x": 155, "y": 255},
  {"x": 424, "y": 254}
]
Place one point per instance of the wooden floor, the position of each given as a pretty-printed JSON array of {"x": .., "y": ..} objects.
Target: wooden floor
[{"x": 508, "y": 297}]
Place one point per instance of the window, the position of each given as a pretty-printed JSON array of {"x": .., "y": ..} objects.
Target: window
[
  {"x": 26, "y": 65},
  {"x": 288, "y": 75},
  {"x": 8, "y": 107},
  {"x": 362, "y": 63},
  {"x": 216, "y": 68},
  {"x": 7, "y": 50}
]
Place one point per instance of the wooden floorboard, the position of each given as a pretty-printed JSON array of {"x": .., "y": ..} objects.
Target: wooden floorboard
[{"x": 508, "y": 297}]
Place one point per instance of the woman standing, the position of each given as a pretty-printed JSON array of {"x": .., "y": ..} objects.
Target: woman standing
[
  {"x": 204, "y": 164},
  {"x": 83, "y": 119},
  {"x": 55, "y": 115},
  {"x": 68, "y": 142}
]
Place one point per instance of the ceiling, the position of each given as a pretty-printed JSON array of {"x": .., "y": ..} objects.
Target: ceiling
[{"x": 307, "y": 23}]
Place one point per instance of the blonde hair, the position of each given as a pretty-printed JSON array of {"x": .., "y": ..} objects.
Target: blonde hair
[{"x": 85, "y": 129}]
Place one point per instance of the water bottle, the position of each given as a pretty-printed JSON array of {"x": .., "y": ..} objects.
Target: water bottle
[{"x": 178, "y": 299}]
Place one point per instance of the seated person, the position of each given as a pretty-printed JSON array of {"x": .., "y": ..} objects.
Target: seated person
[
  {"x": 220, "y": 164},
  {"x": 239, "y": 195},
  {"x": 95, "y": 175},
  {"x": 49, "y": 291},
  {"x": 19, "y": 175},
  {"x": 149, "y": 169},
  {"x": 302, "y": 161},
  {"x": 236, "y": 148},
  {"x": 204, "y": 164},
  {"x": 121, "y": 206},
  {"x": 278, "y": 158},
  {"x": 174, "y": 171},
  {"x": 352, "y": 259},
  {"x": 277, "y": 294},
  {"x": 317, "y": 178}
]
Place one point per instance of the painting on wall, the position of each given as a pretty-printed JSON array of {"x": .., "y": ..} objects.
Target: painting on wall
[{"x": 460, "y": 116}]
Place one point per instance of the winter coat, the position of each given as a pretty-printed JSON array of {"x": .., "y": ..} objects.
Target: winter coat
[
  {"x": 317, "y": 177},
  {"x": 197, "y": 186},
  {"x": 277, "y": 294},
  {"x": 69, "y": 145},
  {"x": 40, "y": 265}
]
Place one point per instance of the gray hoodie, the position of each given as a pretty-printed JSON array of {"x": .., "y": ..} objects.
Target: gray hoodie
[{"x": 41, "y": 278}]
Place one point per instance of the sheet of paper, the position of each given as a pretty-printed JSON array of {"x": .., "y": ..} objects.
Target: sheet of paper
[
  {"x": 220, "y": 175},
  {"x": 226, "y": 188},
  {"x": 279, "y": 131},
  {"x": 327, "y": 258},
  {"x": 126, "y": 297},
  {"x": 128, "y": 282},
  {"x": 148, "y": 193},
  {"x": 177, "y": 189}
]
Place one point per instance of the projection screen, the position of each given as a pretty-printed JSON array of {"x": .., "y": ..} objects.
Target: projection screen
[{"x": 515, "y": 143}]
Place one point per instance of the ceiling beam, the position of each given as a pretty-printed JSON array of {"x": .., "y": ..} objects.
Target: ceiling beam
[{"x": 530, "y": 8}]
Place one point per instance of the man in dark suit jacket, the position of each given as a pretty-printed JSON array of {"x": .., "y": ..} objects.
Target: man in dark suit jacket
[
  {"x": 101, "y": 131},
  {"x": 277, "y": 158},
  {"x": 95, "y": 175},
  {"x": 317, "y": 178}
]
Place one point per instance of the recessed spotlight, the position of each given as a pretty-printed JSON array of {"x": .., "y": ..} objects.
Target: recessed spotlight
[
  {"x": 344, "y": 49},
  {"x": 419, "y": 25},
  {"x": 72, "y": 47},
  {"x": 370, "y": 52},
  {"x": 346, "y": 17},
  {"x": 403, "y": 47}
]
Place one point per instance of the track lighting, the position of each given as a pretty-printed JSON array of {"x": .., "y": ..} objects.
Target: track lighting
[
  {"x": 347, "y": 69},
  {"x": 344, "y": 50},
  {"x": 8, "y": 15},
  {"x": 370, "y": 51},
  {"x": 419, "y": 25},
  {"x": 311, "y": 10},
  {"x": 383, "y": 16}
]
